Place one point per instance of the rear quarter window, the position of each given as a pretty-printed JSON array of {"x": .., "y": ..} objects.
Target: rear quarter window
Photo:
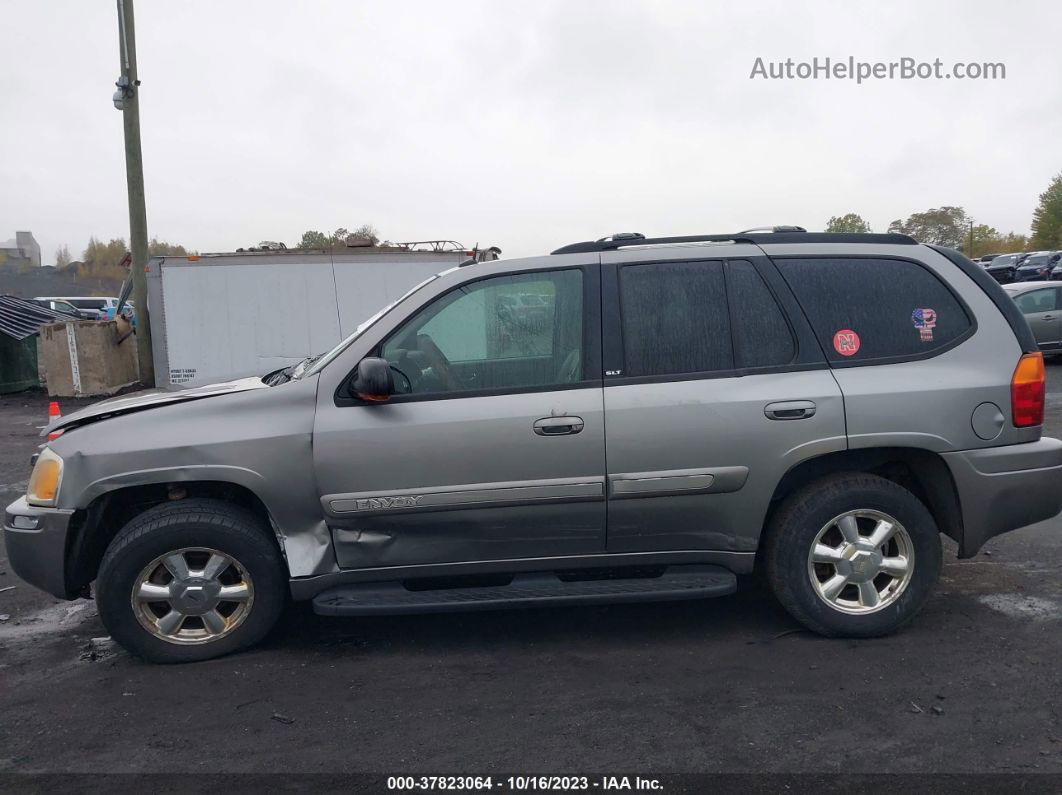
[{"x": 874, "y": 308}]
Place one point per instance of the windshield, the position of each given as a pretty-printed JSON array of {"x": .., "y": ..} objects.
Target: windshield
[
  {"x": 1005, "y": 260},
  {"x": 319, "y": 362},
  {"x": 1039, "y": 259}
]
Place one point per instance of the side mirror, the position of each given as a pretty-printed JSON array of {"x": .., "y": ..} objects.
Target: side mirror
[{"x": 373, "y": 381}]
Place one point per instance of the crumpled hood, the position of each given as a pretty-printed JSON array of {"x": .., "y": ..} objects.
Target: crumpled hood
[{"x": 148, "y": 399}]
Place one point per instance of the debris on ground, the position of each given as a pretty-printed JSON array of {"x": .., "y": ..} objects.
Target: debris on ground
[
  {"x": 915, "y": 708},
  {"x": 282, "y": 719},
  {"x": 97, "y": 649},
  {"x": 937, "y": 710},
  {"x": 8, "y": 588},
  {"x": 4, "y": 617}
]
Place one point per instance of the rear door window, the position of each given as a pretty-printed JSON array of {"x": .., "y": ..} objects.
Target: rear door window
[
  {"x": 675, "y": 318},
  {"x": 875, "y": 308},
  {"x": 762, "y": 337}
]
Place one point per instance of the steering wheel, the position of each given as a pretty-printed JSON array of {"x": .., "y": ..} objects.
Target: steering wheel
[{"x": 440, "y": 365}]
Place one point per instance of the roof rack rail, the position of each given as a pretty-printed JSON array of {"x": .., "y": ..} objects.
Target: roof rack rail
[
  {"x": 780, "y": 234},
  {"x": 773, "y": 229}
]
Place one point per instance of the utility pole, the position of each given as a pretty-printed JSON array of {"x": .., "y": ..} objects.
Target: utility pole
[{"x": 127, "y": 100}]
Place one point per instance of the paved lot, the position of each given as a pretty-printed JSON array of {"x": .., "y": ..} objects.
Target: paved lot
[{"x": 973, "y": 685}]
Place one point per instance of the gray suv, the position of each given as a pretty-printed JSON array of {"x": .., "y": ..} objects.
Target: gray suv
[{"x": 673, "y": 413}]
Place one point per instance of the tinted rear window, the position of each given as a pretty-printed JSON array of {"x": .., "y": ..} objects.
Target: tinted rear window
[
  {"x": 675, "y": 318},
  {"x": 875, "y": 308},
  {"x": 761, "y": 334}
]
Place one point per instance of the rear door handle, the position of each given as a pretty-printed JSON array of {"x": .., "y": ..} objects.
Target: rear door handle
[
  {"x": 558, "y": 426},
  {"x": 789, "y": 410}
]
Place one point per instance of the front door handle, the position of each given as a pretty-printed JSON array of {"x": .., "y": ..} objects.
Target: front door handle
[
  {"x": 558, "y": 426},
  {"x": 1048, "y": 317},
  {"x": 789, "y": 410}
]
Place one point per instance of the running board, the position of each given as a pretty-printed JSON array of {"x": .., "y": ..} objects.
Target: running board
[{"x": 542, "y": 589}]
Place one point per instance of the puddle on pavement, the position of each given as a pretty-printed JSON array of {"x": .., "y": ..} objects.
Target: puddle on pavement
[
  {"x": 55, "y": 620},
  {"x": 1022, "y": 606}
]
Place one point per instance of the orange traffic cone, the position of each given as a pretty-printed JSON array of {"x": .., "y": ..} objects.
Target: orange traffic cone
[{"x": 53, "y": 415}]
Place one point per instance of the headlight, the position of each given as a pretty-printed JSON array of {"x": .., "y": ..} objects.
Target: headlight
[{"x": 44, "y": 483}]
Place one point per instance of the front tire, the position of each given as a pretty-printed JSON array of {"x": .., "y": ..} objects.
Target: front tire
[
  {"x": 191, "y": 580},
  {"x": 852, "y": 555}
]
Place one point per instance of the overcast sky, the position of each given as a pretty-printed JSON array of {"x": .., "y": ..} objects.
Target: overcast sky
[{"x": 521, "y": 124}]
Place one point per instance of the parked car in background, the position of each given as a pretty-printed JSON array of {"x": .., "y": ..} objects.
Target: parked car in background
[
  {"x": 1002, "y": 268},
  {"x": 823, "y": 407},
  {"x": 64, "y": 306},
  {"x": 1037, "y": 266},
  {"x": 1041, "y": 303},
  {"x": 987, "y": 258},
  {"x": 1056, "y": 272},
  {"x": 90, "y": 307}
]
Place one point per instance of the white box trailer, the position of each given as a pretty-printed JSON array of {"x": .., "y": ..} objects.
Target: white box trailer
[{"x": 216, "y": 317}]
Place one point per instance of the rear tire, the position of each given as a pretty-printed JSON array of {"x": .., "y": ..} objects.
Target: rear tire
[
  {"x": 191, "y": 580},
  {"x": 823, "y": 564}
]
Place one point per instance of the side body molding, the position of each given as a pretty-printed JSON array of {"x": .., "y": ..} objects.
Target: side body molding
[
  {"x": 443, "y": 498},
  {"x": 630, "y": 485}
]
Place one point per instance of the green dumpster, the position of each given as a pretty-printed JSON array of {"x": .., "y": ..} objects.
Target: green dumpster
[{"x": 18, "y": 364}]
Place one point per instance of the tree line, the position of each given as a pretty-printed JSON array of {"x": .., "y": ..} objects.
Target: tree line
[
  {"x": 955, "y": 228},
  {"x": 314, "y": 239},
  {"x": 101, "y": 260}
]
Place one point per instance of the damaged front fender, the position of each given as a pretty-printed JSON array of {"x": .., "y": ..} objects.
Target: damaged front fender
[{"x": 260, "y": 440}]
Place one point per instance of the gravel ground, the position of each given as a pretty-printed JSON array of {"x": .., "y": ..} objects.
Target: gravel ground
[{"x": 974, "y": 685}]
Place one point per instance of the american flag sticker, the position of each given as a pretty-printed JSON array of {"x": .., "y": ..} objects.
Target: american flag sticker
[
  {"x": 925, "y": 320},
  {"x": 846, "y": 342}
]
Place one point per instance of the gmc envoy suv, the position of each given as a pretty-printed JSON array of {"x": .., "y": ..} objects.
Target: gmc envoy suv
[{"x": 627, "y": 419}]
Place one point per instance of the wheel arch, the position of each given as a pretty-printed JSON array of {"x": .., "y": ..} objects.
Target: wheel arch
[
  {"x": 922, "y": 472},
  {"x": 95, "y": 526}
]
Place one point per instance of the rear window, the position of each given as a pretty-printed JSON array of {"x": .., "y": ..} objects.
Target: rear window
[{"x": 875, "y": 308}]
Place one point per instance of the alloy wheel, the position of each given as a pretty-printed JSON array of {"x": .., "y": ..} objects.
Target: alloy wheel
[
  {"x": 861, "y": 561},
  {"x": 192, "y": 595}
]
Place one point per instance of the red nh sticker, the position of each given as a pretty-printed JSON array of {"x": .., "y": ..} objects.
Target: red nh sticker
[{"x": 846, "y": 342}]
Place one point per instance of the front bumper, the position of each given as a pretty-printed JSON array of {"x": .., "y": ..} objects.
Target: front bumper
[
  {"x": 36, "y": 545},
  {"x": 1004, "y": 488}
]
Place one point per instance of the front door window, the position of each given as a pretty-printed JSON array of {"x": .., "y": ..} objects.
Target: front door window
[{"x": 499, "y": 334}]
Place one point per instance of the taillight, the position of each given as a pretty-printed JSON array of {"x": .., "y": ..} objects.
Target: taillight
[{"x": 1027, "y": 391}]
